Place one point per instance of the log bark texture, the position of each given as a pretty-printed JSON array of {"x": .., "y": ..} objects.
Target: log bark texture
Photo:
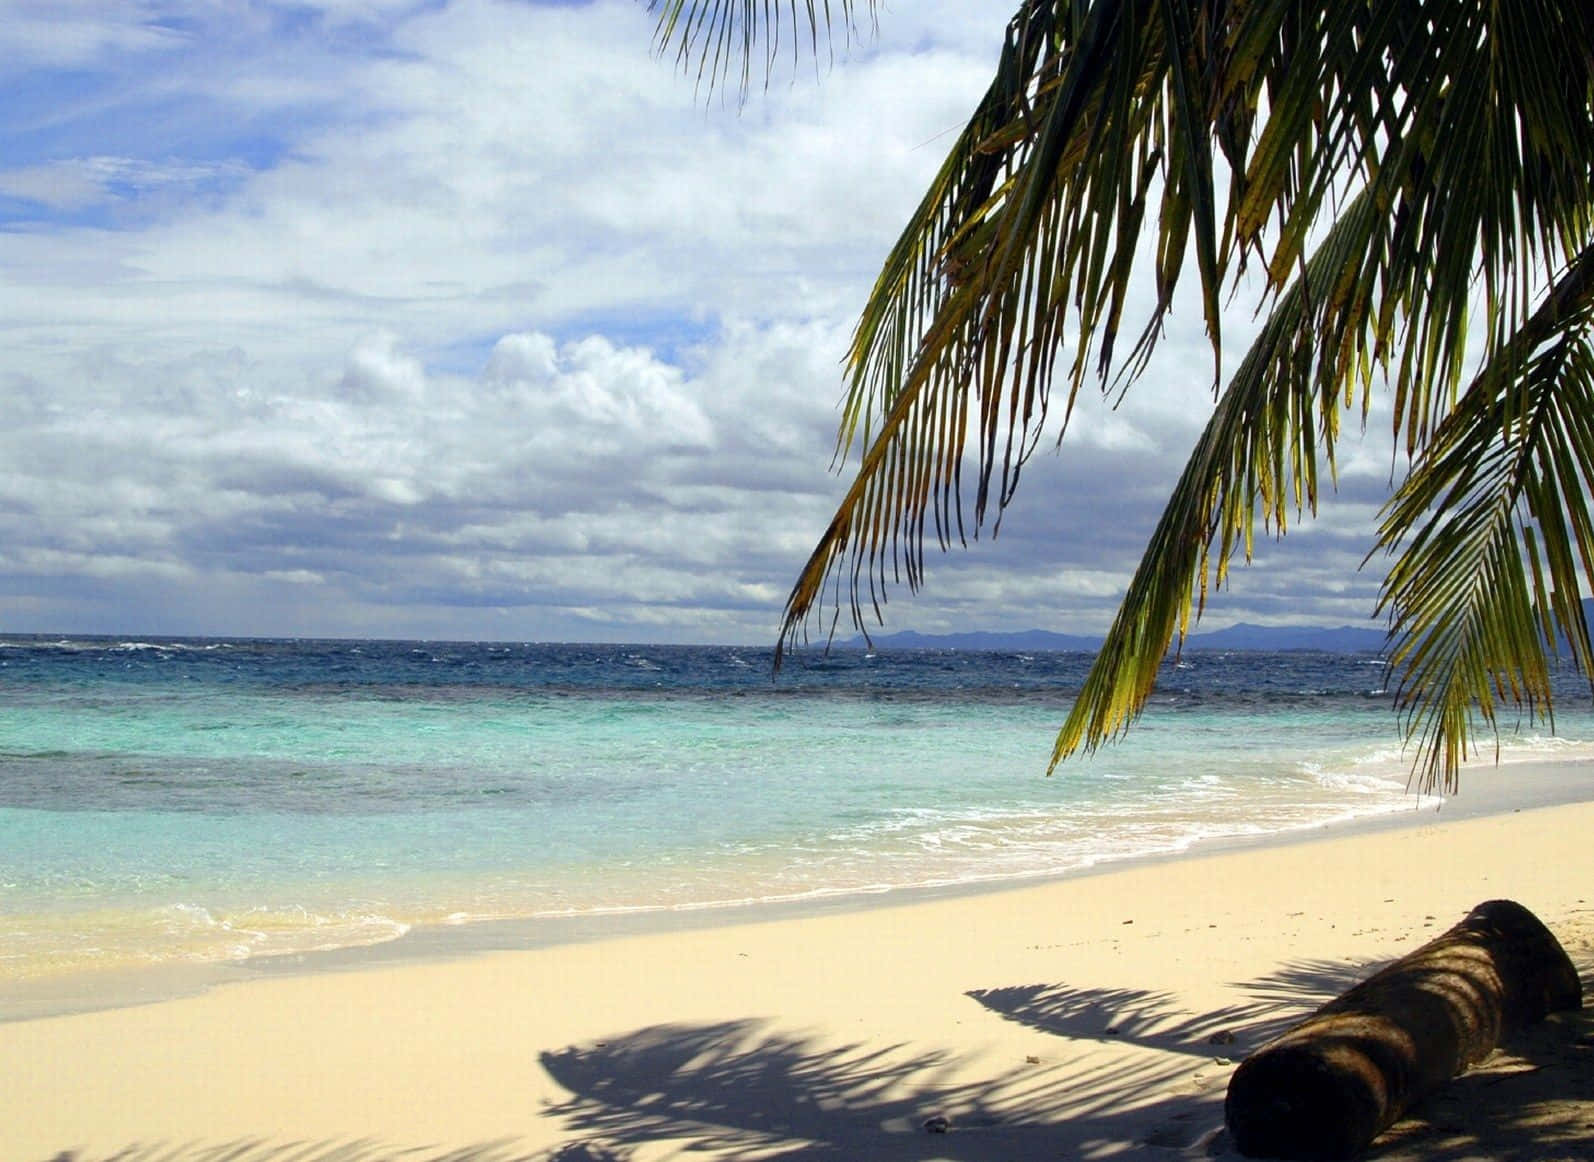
[{"x": 1327, "y": 1087}]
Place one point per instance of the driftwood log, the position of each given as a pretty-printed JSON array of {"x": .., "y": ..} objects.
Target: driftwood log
[{"x": 1327, "y": 1087}]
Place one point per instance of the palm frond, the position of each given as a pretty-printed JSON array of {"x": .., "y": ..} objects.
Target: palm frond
[
  {"x": 722, "y": 39},
  {"x": 1426, "y": 155},
  {"x": 1259, "y": 450},
  {"x": 1370, "y": 298},
  {"x": 1495, "y": 536},
  {"x": 1032, "y": 222}
]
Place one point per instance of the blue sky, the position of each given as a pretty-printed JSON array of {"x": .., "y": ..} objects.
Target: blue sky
[{"x": 473, "y": 319}]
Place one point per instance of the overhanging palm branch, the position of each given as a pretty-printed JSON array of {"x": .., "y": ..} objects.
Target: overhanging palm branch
[
  {"x": 726, "y": 36},
  {"x": 968, "y": 316},
  {"x": 1258, "y": 450},
  {"x": 1498, "y": 533},
  {"x": 1400, "y": 170}
]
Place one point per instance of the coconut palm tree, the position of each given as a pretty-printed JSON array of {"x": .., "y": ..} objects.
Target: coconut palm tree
[{"x": 1402, "y": 176}]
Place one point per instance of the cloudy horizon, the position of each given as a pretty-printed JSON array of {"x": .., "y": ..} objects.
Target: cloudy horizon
[{"x": 478, "y": 320}]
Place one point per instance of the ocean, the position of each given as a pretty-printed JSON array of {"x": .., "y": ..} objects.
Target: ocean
[{"x": 191, "y": 801}]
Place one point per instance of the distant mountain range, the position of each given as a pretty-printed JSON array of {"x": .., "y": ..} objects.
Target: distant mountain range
[{"x": 1345, "y": 639}]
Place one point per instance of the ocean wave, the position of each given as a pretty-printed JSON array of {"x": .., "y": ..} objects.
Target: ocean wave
[
  {"x": 1537, "y": 747},
  {"x": 109, "y": 646}
]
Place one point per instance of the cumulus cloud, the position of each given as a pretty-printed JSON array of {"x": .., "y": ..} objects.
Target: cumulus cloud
[
  {"x": 474, "y": 319},
  {"x": 560, "y": 477}
]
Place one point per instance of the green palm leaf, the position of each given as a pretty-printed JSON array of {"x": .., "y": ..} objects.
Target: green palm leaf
[
  {"x": 1406, "y": 174},
  {"x": 1032, "y": 221},
  {"x": 725, "y": 37},
  {"x": 1498, "y": 535},
  {"x": 1258, "y": 450}
]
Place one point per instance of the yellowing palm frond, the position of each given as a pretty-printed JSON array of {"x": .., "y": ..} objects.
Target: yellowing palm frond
[
  {"x": 1495, "y": 536},
  {"x": 1404, "y": 173}
]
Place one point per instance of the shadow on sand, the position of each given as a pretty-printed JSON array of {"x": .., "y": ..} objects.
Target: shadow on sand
[
  {"x": 748, "y": 1089},
  {"x": 252, "y": 1150},
  {"x": 1533, "y": 1101},
  {"x": 743, "y": 1088},
  {"x": 1152, "y": 1020}
]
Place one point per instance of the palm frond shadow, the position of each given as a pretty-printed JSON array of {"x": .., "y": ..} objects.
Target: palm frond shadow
[
  {"x": 1152, "y": 1019},
  {"x": 746, "y": 1088},
  {"x": 1533, "y": 1100},
  {"x": 261, "y": 1150},
  {"x": 742, "y": 1088}
]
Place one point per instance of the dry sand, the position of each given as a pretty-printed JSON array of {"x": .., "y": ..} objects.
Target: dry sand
[{"x": 1089, "y": 1017}]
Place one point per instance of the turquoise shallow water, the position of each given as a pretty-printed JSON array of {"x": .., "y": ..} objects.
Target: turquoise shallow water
[{"x": 186, "y": 801}]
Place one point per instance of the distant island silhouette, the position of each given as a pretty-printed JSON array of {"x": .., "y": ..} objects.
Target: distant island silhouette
[
  {"x": 1347, "y": 639},
  {"x": 1344, "y": 639}
]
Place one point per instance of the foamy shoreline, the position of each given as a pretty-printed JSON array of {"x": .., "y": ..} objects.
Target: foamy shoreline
[
  {"x": 1086, "y": 1014},
  {"x": 1486, "y": 790}
]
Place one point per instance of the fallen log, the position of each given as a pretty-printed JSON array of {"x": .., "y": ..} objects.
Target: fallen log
[{"x": 1327, "y": 1087}]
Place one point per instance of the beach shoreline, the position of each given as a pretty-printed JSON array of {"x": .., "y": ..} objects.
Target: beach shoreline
[
  {"x": 178, "y": 817},
  {"x": 1097, "y": 1013},
  {"x": 1486, "y": 790}
]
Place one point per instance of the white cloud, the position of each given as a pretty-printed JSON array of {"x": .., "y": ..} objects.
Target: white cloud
[
  {"x": 578, "y": 474},
  {"x": 474, "y": 319},
  {"x": 81, "y": 182},
  {"x": 65, "y": 33}
]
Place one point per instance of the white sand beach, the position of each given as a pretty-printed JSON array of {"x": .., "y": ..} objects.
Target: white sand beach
[{"x": 1089, "y": 1017}]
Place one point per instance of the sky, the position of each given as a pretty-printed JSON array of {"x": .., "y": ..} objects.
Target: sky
[{"x": 477, "y": 319}]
